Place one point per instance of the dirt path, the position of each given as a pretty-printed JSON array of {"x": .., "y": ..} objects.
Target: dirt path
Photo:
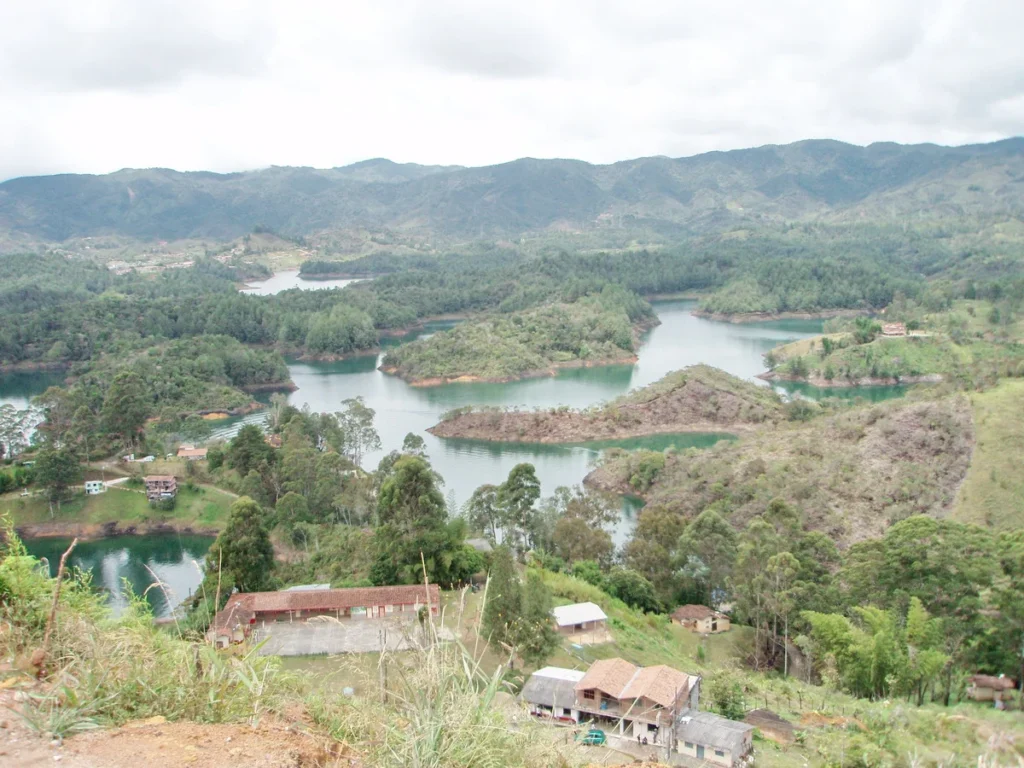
[{"x": 273, "y": 743}]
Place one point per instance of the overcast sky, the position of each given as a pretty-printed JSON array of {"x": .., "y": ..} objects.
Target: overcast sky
[{"x": 97, "y": 85}]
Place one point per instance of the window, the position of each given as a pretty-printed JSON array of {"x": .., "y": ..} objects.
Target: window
[
  {"x": 688, "y": 744},
  {"x": 588, "y": 694},
  {"x": 577, "y": 627},
  {"x": 719, "y": 753},
  {"x": 566, "y": 711}
]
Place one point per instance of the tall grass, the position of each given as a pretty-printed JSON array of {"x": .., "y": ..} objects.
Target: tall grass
[
  {"x": 106, "y": 671},
  {"x": 437, "y": 707}
]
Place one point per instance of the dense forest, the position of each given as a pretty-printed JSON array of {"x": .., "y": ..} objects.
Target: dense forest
[{"x": 596, "y": 329}]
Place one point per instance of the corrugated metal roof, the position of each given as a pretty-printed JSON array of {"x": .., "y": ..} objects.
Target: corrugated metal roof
[
  {"x": 561, "y": 673},
  {"x": 308, "y": 588},
  {"x": 552, "y": 687},
  {"x": 710, "y": 730},
  {"x": 578, "y": 613}
]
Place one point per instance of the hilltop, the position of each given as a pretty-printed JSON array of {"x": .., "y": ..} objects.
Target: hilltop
[
  {"x": 661, "y": 196},
  {"x": 853, "y": 473},
  {"x": 696, "y": 399}
]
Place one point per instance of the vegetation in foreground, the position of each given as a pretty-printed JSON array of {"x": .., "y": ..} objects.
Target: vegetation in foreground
[
  {"x": 697, "y": 399},
  {"x": 599, "y": 329}
]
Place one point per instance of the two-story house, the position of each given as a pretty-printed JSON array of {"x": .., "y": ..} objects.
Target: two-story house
[{"x": 636, "y": 702}]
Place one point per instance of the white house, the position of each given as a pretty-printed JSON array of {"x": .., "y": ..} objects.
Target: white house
[
  {"x": 92, "y": 487},
  {"x": 582, "y": 623}
]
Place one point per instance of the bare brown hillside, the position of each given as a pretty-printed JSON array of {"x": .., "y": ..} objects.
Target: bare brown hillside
[
  {"x": 696, "y": 399},
  {"x": 852, "y": 474}
]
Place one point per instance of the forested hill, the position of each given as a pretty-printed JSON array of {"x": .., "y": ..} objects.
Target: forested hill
[{"x": 702, "y": 193}]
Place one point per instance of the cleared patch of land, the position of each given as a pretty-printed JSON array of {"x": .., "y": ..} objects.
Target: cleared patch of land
[
  {"x": 853, "y": 473},
  {"x": 696, "y": 399},
  {"x": 199, "y": 510},
  {"x": 992, "y": 494}
]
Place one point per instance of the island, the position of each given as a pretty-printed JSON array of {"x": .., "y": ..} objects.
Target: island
[
  {"x": 696, "y": 399},
  {"x": 597, "y": 329}
]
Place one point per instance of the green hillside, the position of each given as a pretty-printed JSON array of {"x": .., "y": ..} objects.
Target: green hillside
[{"x": 659, "y": 195}]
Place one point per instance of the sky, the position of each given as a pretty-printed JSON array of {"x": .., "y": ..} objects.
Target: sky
[{"x": 93, "y": 86}]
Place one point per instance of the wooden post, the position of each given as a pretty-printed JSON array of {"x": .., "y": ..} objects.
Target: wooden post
[{"x": 48, "y": 634}]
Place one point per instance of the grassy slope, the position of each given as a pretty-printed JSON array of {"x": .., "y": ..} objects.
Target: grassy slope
[
  {"x": 851, "y": 473},
  {"x": 993, "y": 491},
  {"x": 202, "y": 508},
  {"x": 891, "y": 358}
]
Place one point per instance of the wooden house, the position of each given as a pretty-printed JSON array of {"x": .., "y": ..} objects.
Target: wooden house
[{"x": 701, "y": 619}]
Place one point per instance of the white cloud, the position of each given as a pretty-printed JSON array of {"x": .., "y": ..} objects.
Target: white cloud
[{"x": 96, "y": 85}]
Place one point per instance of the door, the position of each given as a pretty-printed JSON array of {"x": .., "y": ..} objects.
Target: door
[
  {"x": 700, "y": 752},
  {"x": 381, "y": 610}
]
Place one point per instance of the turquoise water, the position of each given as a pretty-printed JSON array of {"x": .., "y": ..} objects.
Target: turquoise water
[
  {"x": 172, "y": 560},
  {"x": 679, "y": 341}
]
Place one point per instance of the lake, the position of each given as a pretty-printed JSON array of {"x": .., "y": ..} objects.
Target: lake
[
  {"x": 174, "y": 560},
  {"x": 283, "y": 281},
  {"x": 679, "y": 341}
]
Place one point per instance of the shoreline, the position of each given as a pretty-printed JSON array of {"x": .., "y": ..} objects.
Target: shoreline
[
  {"x": 727, "y": 431},
  {"x": 867, "y": 381},
  {"x": 539, "y": 373},
  {"x": 35, "y": 366},
  {"x": 739, "y": 318},
  {"x": 67, "y": 529}
]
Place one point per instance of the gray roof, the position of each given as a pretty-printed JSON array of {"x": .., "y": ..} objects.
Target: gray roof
[
  {"x": 552, "y": 690},
  {"x": 710, "y": 730},
  {"x": 480, "y": 545}
]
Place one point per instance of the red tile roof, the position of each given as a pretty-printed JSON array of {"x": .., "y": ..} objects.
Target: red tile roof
[
  {"x": 185, "y": 453},
  {"x": 621, "y": 680},
  {"x": 158, "y": 478},
  {"x": 244, "y": 606}
]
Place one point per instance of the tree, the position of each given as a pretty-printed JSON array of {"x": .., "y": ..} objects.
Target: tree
[
  {"x": 414, "y": 444},
  {"x": 57, "y": 470},
  {"x": 247, "y": 449},
  {"x": 14, "y": 428},
  {"x": 709, "y": 542},
  {"x": 126, "y": 408},
  {"x": 482, "y": 511},
  {"x": 243, "y": 549},
  {"x": 517, "y": 498},
  {"x": 633, "y": 589},
  {"x": 359, "y": 435},
  {"x": 581, "y": 516},
  {"x": 504, "y": 600},
  {"x": 58, "y": 409},
  {"x": 535, "y": 635},
  {"x": 83, "y": 427},
  {"x": 409, "y": 498},
  {"x": 651, "y": 551}
]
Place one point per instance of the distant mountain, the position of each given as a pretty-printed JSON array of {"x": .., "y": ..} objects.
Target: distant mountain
[{"x": 707, "y": 192}]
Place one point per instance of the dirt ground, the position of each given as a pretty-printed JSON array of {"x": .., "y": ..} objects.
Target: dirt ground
[{"x": 154, "y": 743}]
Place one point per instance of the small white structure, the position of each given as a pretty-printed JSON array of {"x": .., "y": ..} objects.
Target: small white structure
[
  {"x": 308, "y": 588},
  {"x": 582, "y": 623},
  {"x": 92, "y": 487},
  {"x": 551, "y": 692}
]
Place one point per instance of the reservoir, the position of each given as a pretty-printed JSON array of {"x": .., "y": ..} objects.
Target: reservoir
[
  {"x": 680, "y": 340},
  {"x": 283, "y": 281}
]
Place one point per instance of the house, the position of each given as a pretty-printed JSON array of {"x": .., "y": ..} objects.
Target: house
[
  {"x": 582, "y": 623},
  {"x": 989, "y": 687},
  {"x": 92, "y": 487},
  {"x": 701, "y": 619},
  {"x": 894, "y": 329},
  {"x": 480, "y": 545},
  {"x": 551, "y": 692},
  {"x": 160, "y": 487},
  {"x": 190, "y": 453},
  {"x": 274, "y": 441},
  {"x": 635, "y": 702},
  {"x": 246, "y": 611},
  {"x": 718, "y": 740}
]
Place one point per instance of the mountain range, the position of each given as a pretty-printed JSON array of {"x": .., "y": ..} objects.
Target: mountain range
[{"x": 671, "y": 196}]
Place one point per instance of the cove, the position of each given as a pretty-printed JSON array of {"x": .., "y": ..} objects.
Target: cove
[
  {"x": 288, "y": 279},
  {"x": 176, "y": 560},
  {"x": 679, "y": 341}
]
